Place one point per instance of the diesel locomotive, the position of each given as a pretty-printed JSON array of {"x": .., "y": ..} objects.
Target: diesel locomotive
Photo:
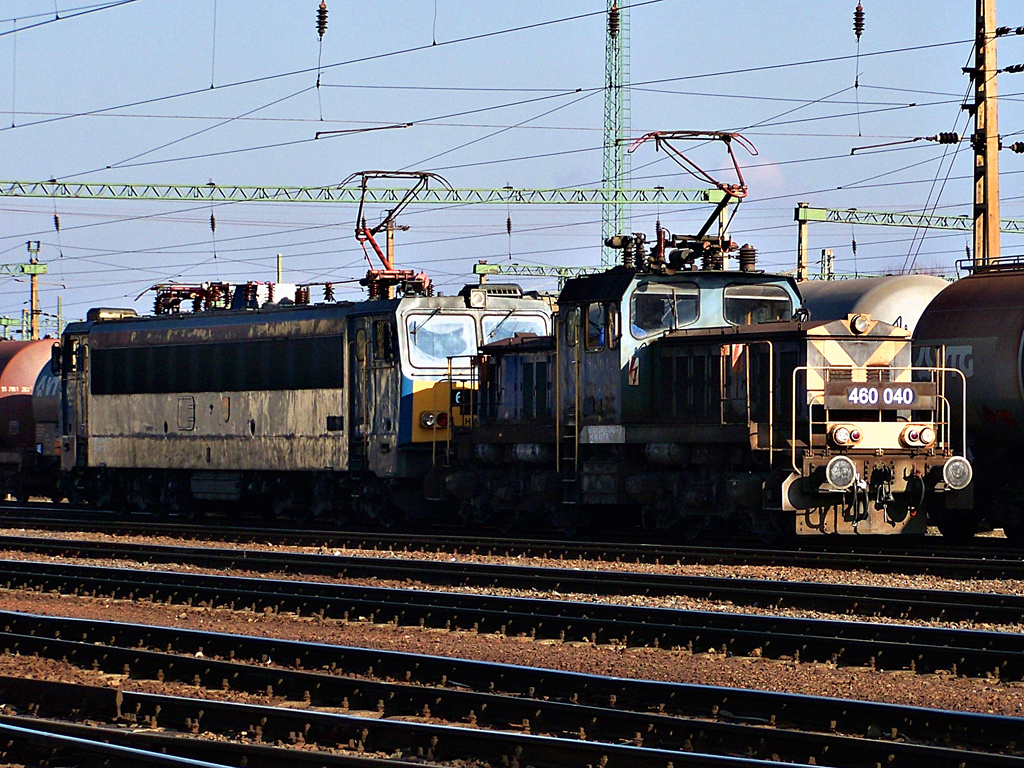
[{"x": 703, "y": 397}]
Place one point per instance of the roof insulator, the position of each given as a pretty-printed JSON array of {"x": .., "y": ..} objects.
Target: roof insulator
[
  {"x": 858, "y": 21},
  {"x": 321, "y": 19}
]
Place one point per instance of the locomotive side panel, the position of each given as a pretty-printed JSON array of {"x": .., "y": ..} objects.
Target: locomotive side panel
[{"x": 230, "y": 397}]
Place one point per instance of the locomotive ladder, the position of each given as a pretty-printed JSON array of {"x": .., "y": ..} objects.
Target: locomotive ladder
[{"x": 569, "y": 439}]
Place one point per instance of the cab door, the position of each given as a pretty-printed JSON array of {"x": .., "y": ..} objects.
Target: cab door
[
  {"x": 74, "y": 401},
  {"x": 374, "y": 387}
]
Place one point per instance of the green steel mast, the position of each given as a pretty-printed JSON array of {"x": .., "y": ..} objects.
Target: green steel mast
[{"x": 616, "y": 172}]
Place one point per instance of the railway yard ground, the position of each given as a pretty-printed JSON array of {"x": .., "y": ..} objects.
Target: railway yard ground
[{"x": 386, "y": 638}]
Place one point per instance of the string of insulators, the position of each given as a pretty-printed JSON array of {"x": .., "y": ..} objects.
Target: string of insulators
[
  {"x": 1003, "y": 31},
  {"x": 1017, "y": 146},
  {"x": 946, "y": 137},
  {"x": 508, "y": 225},
  {"x": 1013, "y": 69},
  {"x": 56, "y": 222},
  {"x": 858, "y": 21},
  {"x": 213, "y": 223},
  {"x": 613, "y": 21},
  {"x": 853, "y": 244},
  {"x": 321, "y": 19}
]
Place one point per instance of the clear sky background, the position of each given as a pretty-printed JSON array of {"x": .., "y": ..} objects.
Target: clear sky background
[{"x": 498, "y": 93}]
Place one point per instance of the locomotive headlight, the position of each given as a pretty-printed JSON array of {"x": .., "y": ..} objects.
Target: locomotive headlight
[
  {"x": 841, "y": 435},
  {"x": 845, "y": 434},
  {"x": 859, "y": 324},
  {"x": 957, "y": 473},
  {"x": 917, "y": 435},
  {"x": 840, "y": 472},
  {"x": 428, "y": 419}
]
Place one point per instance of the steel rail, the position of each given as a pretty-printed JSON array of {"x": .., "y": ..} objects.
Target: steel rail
[
  {"x": 888, "y": 646},
  {"x": 642, "y": 712},
  {"x": 47, "y": 739},
  {"x": 427, "y": 741},
  {"x": 930, "y": 555},
  {"x": 861, "y": 600}
]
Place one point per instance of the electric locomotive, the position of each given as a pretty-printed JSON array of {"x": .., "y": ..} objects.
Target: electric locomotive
[
  {"x": 703, "y": 397},
  {"x": 288, "y": 407}
]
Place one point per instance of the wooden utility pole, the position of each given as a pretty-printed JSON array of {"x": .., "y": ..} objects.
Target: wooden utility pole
[{"x": 986, "y": 138}]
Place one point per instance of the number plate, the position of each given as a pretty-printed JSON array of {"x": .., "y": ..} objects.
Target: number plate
[{"x": 843, "y": 395}]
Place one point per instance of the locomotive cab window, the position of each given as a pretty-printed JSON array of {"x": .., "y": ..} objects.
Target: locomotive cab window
[
  {"x": 433, "y": 338},
  {"x": 750, "y": 304},
  {"x": 508, "y": 324},
  {"x": 596, "y": 322},
  {"x": 654, "y": 308},
  {"x": 383, "y": 341}
]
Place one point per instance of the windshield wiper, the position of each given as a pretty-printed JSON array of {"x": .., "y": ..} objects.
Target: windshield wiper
[{"x": 501, "y": 322}]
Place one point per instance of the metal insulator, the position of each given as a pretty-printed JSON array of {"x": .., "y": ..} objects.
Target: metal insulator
[
  {"x": 56, "y": 222},
  {"x": 213, "y": 223},
  {"x": 858, "y": 21},
  {"x": 328, "y": 292},
  {"x": 321, "y": 19},
  {"x": 713, "y": 261},
  {"x": 748, "y": 258},
  {"x": 613, "y": 21}
]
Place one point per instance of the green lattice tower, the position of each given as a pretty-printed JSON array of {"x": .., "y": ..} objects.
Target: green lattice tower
[{"x": 616, "y": 176}]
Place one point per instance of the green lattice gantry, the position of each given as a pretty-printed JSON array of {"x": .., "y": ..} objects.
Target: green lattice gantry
[{"x": 381, "y": 195}]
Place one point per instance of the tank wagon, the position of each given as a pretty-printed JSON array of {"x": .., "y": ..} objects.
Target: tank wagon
[
  {"x": 705, "y": 397},
  {"x": 895, "y": 299},
  {"x": 29, "y": 420},
  {"x": 977, "y": 326},
  {"x": 292, "y": 409}
]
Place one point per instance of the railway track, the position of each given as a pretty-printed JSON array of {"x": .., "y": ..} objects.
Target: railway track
[
  {"x": 982, "y": 558},
  {"x": 882, "y": 646},
  {"x": 858, "y": 600},
  {"x": 358, "y": 701}
]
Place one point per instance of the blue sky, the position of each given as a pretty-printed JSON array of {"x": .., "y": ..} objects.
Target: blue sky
[{"x": 509, "y": 94}]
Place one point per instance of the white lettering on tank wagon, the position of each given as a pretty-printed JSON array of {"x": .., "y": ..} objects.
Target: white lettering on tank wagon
[{"x": 960, "y": 357}]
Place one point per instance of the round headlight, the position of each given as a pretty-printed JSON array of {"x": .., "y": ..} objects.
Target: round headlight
[
  {"x": 859, "y": 324},
  {"x": 427, "y": 419},
  {"x": 841, "y": 435},
  {"x": 840, "y": 472},
  {"x": 927, "y": 435},
  {"x": 957, "y": 473}
]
